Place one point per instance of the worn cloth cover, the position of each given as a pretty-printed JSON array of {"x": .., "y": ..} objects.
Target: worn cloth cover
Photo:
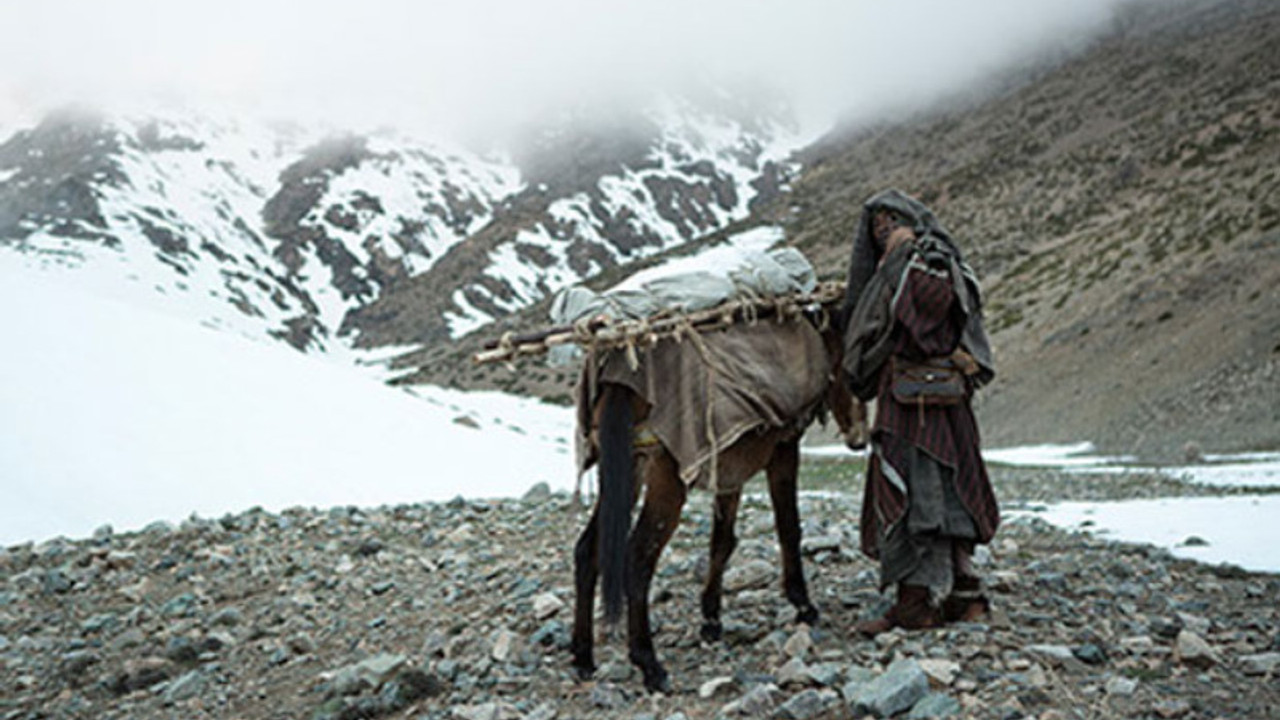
[
  {"x": 742, "y": 275},
  {"x": 708, "y": 390}
]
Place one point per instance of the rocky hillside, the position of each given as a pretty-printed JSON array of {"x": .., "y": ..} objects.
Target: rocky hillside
[
  {"x": 461, "y": 611},
  {"x": 1123, "y": 211}
]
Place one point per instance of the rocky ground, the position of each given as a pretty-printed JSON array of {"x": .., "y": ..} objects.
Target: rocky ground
[{"x": 461, "y": 611}]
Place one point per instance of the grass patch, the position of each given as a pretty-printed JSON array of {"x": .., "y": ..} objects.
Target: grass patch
[{"x": 832, "y": 474}]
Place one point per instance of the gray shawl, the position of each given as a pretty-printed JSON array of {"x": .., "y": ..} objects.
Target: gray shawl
[{"x": 939, "y": 249}]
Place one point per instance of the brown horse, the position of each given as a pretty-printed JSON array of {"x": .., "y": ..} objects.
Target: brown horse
[{"x": 625, "y": 563}]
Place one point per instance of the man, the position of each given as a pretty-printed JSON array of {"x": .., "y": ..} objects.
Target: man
[{"x": 914, "y": 341}]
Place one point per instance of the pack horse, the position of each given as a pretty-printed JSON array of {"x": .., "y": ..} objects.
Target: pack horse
[{"x": 697, "y": 410}]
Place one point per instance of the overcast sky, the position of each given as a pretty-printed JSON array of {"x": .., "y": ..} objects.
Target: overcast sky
[{"x": 449, "y": 64}]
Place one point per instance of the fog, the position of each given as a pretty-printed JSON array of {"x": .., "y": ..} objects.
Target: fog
[{"x": 451, "y": 66}]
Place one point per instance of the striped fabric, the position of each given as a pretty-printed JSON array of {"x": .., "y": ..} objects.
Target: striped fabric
[{"x": 928, "y": 323}]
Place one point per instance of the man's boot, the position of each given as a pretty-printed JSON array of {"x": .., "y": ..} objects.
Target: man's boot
[
  {"x": 911, "y": 611},
  {"x": 966, "y": 603}
]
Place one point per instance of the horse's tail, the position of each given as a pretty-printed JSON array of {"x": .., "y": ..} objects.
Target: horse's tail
[{"x": 617, "y": 488}]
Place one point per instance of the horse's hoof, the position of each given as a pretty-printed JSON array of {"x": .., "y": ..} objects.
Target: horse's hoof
[
  {"x": 658, "y": 682},
  {"x": 584, "y": 671},
  {"x": 807, "y": 615},
  {"x": 712, "y": 631}
]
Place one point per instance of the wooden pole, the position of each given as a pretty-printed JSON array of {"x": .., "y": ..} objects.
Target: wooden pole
[{"x": 603, "y": 332}]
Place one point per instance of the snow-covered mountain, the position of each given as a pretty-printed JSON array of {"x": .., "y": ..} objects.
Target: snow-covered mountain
[
  {"x": 334, "y": 240},
  {"x": 256, "y": 228}
]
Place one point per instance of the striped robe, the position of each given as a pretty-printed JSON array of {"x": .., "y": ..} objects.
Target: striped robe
[{"x": 928, "y": 321}]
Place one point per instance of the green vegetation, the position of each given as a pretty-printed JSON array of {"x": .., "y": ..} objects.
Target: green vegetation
[{"x": 832, "y": 475}]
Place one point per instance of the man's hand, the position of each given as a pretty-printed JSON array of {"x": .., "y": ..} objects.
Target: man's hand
[{"x": 897, "y": 238}]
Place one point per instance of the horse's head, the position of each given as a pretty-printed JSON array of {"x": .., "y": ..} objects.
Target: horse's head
[{"x": 850, "y": 412}]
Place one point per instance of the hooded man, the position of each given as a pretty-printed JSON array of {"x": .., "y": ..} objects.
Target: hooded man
[{"x": 914, "y": 341}]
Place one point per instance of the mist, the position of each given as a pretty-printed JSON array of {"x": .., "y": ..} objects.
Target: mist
[{"x": 462, "y": 67}]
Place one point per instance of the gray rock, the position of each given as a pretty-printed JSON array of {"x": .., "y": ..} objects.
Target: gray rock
[
  {"x": 75, "y": 663},
  {"x": 826, "y": 674},
  {"x": 546, "y": 605},
  {"x": 138, "y": 674},
  {"x": 982, "y": 556},
  {"x": 184, "y": 687},
  {"x": 934, "y": 705},
  {"x": 607, "y": 696},
  {"x": 159, "y": 527},
  {"x": 485, "y": 711},
  {"x": 1196, "y": 624},
  {"x": 368, "y": 547},
  {"x": 617, "y": 671},
  {"x": 408, "y": 687},
  {"x": 1194, "y": 651},
  {"x": 216, "y": 641},
  {"x": 56, "y": 582},
  {"x": 1052, "y": 654},
  {"x": 1090, "y": 654},
  {"x": 1165, "y": 627},
  {"x": 1121, "y": 686},
  {"x": 371, "y": 673},
  {"x": 820, "y": 543},
  {"x": 858, "y": 677},
  {"x": 793, "y": 672},
  {"x": 552, "y": 634},
  {"x": 901, "y": 686},
  {"x": 300, "y": 644},
  {"x": 1172, "y": 708},
  {"x": 131, "y": 638},
  {"x": 941, "y": 672},
  {"x": 226, "y": 617},
  {"x": 99, "y": 623},
  {"x": 183, "y": 605},
  {"x": 760, "y": 700},
  {"x": 799, "y": 644},
  {"x": 181, "y": 649},
  {"x": 714, "y": 686},
  {"x": 504, "y": 646},
  {"x": 1261, "y": 664},
  {"x": 806, "y": 705},
  {"x": 540, "y": 492},
  {"x": 545, "y": 711},
  {"x": 753, "y": 574},
  {"x": 1138, "y": 644}
]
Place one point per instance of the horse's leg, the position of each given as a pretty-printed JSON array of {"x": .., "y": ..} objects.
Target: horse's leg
[
  {"x": 664, "y": 497},
  {"x": 723, "y": 541},
  {"x": 782, "y": 470},
  {"x": 586, "y": 568}
]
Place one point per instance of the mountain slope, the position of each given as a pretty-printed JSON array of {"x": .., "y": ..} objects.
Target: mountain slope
[
  {"x": 1123, "y": 210},
  {"x": 333, "y": 240},
  {"x": 599, "y": 195},
  {"x": 259, "y": 229}
]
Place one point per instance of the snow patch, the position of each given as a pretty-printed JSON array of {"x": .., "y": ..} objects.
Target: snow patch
[{"x": 113, "y": 414}]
